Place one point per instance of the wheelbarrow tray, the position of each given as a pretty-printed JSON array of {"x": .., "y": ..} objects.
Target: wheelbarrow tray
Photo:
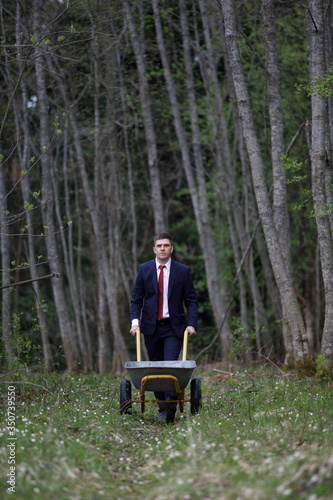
[{"x": 182, "y": 370}]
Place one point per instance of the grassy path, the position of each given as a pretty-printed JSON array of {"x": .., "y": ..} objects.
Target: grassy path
[{"x": 259, "y": 435}]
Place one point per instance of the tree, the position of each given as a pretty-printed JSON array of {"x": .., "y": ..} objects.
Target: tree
[
  {"x": 318, "y": 159},
  {"x": 196, "y": 182},
  {"x": 290, "y": 308},
  {"x": 280, "y": 207},
  {"x": 138, "y": 47},
  {"x": 68, "y": 336}
]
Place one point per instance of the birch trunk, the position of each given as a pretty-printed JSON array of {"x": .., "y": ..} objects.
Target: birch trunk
[
  {"x": 25, "y": 185},
  {"x": 197, "y": 193},
  {"x": 280, "y": 208},
  {"x": 290, "y": 307},
  {"x": 130, "y": 177},
  {"x": 111, "y": 192},
  {"x": 22, "y": 127},
  {"x": 108, "y": 180},
  {"x": 229, "y": 178},
  {"x": 222, "y": 158},
  {"x": 318, "y": 104},
  {"x": 6, "y": 303},
  {"x": 147, "y": 113},
  {"x": 67, "y": 249},
  {"x": 67, "y": 335},
  {"x": 329, "y": 117},
  {"x": 104, "y": 339},
  {"x": 106, "y": 300},
  {"x": 120, "y": 353},
  {"x": 5, "y": 270},
  {"x": 207, "y": 233}
]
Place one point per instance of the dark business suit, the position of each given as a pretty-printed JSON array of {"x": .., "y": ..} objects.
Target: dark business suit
[
  {"x": 180, "y": 291},
  {"x": 164, "y": 341}
]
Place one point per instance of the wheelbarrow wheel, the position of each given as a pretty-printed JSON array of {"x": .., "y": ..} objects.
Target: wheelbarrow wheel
[
  {"x": 125, "y": 396},
  {"x": 195, "y": 395}
]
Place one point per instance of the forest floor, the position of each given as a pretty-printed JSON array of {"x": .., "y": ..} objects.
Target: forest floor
[{"x": 259, "y": 435}]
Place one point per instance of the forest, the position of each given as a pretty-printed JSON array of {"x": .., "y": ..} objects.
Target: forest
[{"x": 210, "y": 119}]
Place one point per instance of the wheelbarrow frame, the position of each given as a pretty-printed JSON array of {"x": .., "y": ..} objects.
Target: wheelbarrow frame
[{"x": 160, "y": 381}]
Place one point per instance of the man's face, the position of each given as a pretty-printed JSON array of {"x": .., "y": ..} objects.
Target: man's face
[{"x": 163, "y": 250}]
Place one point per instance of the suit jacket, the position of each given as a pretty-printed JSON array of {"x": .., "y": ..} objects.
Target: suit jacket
[{"x": 180, "y": 291}]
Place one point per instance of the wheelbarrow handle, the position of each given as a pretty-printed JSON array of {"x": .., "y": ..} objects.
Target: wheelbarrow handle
[
  {"x": 185, "y": 345},
  {"x": 138, "y": 345}
]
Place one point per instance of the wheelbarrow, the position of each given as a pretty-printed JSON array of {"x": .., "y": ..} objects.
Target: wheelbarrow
[{"x": 160, "y": 376}]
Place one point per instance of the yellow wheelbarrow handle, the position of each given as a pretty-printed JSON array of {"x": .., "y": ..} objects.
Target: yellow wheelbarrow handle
[
  {"x": 185, "y": 345},
  {"x": 138, "y": 345}
]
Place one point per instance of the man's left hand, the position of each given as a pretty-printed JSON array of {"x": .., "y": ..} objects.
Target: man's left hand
[{"x": 191, "y": 331}]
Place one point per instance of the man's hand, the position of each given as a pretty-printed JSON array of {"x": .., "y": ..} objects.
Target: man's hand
[
  {"x": 134, "y": 329},
  {"x": 191, "y": 331}
]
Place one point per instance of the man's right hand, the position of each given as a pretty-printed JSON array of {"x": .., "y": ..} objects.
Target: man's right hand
[{"x": 134, "y": 329}]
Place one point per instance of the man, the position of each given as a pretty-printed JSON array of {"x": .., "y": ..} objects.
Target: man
[{"x": 161, "y": 289}]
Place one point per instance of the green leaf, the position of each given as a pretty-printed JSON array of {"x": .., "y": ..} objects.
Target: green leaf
[{"x": 28, "y": 206}]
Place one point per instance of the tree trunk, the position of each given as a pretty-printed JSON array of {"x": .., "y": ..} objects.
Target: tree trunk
[
  {"x": 317, "y": 69},
  {"x": 5, "y": 267},
  {"x": 67, "y": 249},
  {"x": 67, "y": 335},
  {"x": 229, "y": 175},
  {"x": 25, "y": 184},
  {"x": 329, "y": 118},
  {"x": 280, "y": 208},
  {"x": 23, "y": 148},
  {"x": 290, "y": 307},
  {"x": 207, "y": 233},
  {"x": 134, "y": 245},
  {"x": 156, "y": 194},
  {"x": 120, "y": 353},
  {"x": 197, "y": 191}
]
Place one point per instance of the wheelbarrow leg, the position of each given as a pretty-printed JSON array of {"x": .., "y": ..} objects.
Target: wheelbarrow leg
[
  {"x": 142, "y": 397},
  {"x": 195, "y": 395},
  {"x": 125, "y": 396},
  {"x": 181, "y": 397}
]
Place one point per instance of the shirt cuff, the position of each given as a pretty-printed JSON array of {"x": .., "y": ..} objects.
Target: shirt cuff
[{"x": 135, "y": 322}]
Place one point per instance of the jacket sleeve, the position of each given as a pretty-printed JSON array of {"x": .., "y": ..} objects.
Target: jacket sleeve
[
  {"x": 138, "y": 296},
  {"x": 191, "y": 301}
]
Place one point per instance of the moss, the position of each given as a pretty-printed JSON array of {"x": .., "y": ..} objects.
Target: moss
[
  {"x": 324, "y": 374},
  {"x": 324, "y": 368},
  {"x": 305, "y": 367}
]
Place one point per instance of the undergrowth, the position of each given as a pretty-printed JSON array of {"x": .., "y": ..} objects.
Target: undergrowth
[{"x": 260, "y": 434}]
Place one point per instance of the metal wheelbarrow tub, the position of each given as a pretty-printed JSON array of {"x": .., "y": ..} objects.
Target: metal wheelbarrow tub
[
  {"x": 160, "y": 376},
  {"x": 182, "y": 370}
]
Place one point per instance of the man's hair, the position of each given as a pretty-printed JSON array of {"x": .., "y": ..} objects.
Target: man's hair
[{"x": 162, "y": 236}]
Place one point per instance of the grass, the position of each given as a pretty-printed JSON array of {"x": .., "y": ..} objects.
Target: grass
[{"x": 260, "y": 434}]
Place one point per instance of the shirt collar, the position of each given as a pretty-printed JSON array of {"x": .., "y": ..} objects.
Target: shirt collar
[{"x": 167, "y": 265}]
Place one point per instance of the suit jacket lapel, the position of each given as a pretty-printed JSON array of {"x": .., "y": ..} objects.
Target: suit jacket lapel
[
  {"x": 173, "y": 271},
  {"x": 154, "y": 275}
]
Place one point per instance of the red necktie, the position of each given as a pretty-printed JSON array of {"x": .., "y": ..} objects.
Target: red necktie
[{"x": 160, "y": 294}]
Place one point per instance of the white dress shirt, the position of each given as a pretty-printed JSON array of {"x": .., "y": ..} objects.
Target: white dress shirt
[{"x": 166, "y": 275}]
